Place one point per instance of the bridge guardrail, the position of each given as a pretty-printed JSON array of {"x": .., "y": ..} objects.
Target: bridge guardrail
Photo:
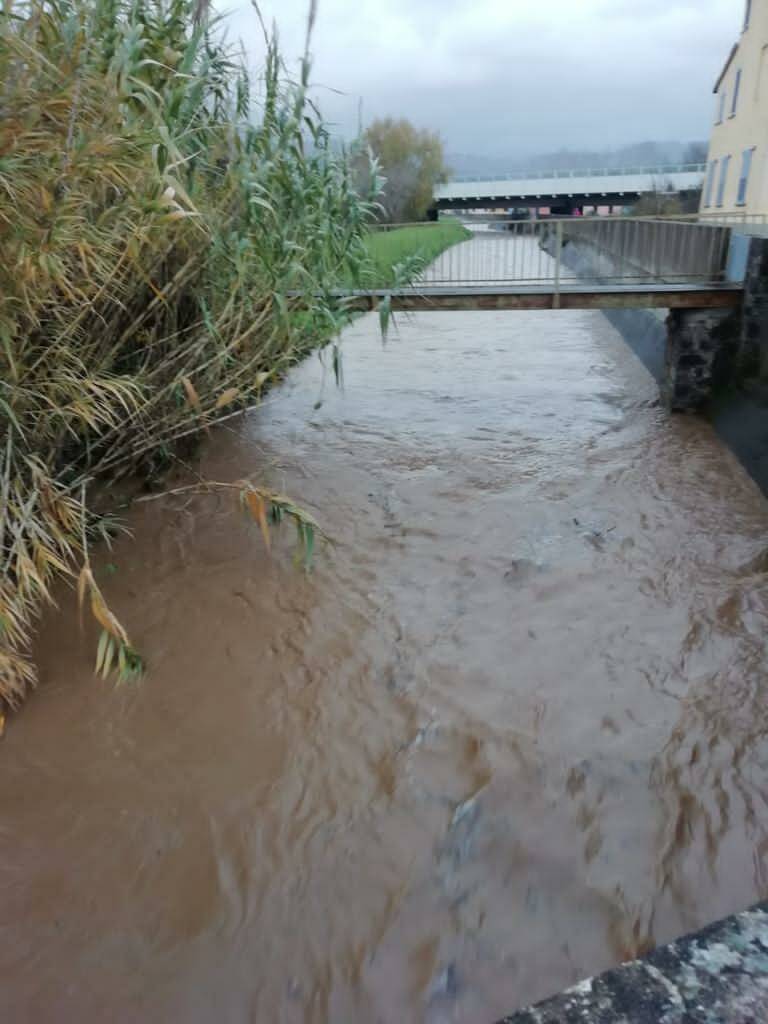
[
  {"x": 625, "y": 251},
  {"x": 576, "y": 172}
]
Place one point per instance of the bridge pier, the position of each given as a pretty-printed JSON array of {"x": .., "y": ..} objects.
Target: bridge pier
[
  {"x": 699, "y": 342},
  {"x": 711, "y": 348}
]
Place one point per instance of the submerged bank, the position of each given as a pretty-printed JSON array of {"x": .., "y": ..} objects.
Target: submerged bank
[{"x": 509, "y": 731}]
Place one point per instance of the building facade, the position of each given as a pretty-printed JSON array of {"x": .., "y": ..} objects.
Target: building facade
[{"x": 737, "y": 165}]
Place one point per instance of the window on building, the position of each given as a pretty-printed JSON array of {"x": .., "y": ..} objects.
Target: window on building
[
  {"x": 723, "y": 179},
  {"x": 736, "y": 87},
  {"x": 721, "y": 107},
  {"x": 746, "y": 167},
  {"x": 711, "y": 174},
  {"x": 747, "y": 14}
]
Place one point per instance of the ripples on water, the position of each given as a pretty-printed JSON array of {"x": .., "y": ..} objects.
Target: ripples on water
[{"x": 511, "y": 730}]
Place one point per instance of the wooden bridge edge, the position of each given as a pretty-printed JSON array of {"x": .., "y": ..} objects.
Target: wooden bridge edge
[{"x": 715, "y": 298}]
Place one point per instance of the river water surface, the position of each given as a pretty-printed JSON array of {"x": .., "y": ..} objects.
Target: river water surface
[{"x": 510, "y": 730}]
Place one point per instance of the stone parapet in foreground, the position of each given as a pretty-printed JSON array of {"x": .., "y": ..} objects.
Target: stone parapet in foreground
[{"x": 716, "y": 976}]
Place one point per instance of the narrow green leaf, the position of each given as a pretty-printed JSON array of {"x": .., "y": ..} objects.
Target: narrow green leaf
[
  {"x": 109, "y": 657},
  {"x": 101, "y": 650}
]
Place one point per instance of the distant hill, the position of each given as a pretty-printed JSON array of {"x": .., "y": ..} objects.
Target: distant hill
[{"x": 646, "y": 154}]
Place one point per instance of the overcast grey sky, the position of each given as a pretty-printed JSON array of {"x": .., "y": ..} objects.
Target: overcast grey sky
[{"x": 514, "y": 76}]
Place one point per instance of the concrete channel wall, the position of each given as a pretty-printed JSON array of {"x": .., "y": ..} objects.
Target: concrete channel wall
[{"x": 643, "y": 329}]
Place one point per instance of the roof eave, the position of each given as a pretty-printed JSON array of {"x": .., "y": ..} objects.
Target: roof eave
[{"x": 728, "y": 63}]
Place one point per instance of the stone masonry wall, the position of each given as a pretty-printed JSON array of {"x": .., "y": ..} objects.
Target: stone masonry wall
[
  {"x": 717, "y": 976},
  {"x": 699, "y": 352}
]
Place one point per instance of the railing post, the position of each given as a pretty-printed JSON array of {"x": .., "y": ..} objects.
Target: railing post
[{"x": 558, "y": 257}]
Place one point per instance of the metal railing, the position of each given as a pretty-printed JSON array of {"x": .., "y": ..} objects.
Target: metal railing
[
  {"x": 740, "y": 221},
  {"x": 578, "y": 251},
  {"x": 731, "y": 219},
  {"x": 584, "y": 172}
]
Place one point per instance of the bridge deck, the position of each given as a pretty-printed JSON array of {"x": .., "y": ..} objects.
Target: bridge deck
[
  {"x": 568, "y": 296},
  {"x": 557, "y": 185}
]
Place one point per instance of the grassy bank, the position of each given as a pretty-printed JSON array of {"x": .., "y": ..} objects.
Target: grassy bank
[
  {"x": 157, "y": 210},
  {"x": 403, "y": 252}
]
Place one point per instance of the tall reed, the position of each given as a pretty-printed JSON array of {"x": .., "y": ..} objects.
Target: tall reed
[{"x": 168, "y": 232}]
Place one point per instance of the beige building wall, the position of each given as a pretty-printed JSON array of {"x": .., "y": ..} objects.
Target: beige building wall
[{"x": 738, "y": 147}]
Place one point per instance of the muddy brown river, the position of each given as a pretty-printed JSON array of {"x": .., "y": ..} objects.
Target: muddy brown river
[{"x": 512, "y": 729}]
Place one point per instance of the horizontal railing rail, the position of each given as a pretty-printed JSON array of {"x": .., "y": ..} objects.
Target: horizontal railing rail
[
  {"x": 583, "y": 172},
  {"x": 396, "y": 226}
]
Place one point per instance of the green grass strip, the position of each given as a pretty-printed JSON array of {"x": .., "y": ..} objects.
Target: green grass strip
[{"x": 390, "y": 249}]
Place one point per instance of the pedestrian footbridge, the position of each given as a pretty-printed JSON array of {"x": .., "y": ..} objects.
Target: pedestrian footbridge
[
  {"x": 573, "y": 263},
  {"x": 713, "y": 278}
]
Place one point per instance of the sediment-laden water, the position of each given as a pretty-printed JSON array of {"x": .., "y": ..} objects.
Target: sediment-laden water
[{"x": 510, "y": 730}]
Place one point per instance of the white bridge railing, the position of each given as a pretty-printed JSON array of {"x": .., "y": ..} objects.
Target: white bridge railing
[
  {"x": 579, "y": 251},
  {"x": 585, "y": 172}
]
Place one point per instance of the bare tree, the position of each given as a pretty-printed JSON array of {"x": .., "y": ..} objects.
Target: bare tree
[{"x": 662, "y": 200}]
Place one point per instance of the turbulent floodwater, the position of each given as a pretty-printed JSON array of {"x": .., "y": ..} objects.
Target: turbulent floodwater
[{"x": 511, "y": 730}]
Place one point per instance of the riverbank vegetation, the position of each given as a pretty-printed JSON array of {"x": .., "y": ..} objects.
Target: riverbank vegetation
[
  {"x": 168, "y": 232},
  {"x": 402, "y": 252}
]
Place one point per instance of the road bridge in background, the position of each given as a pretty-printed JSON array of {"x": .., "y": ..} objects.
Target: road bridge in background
[{"x": 564, "y": 191}]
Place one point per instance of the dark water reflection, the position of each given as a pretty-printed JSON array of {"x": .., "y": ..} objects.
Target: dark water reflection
[{"x": 511, "y": 730}]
